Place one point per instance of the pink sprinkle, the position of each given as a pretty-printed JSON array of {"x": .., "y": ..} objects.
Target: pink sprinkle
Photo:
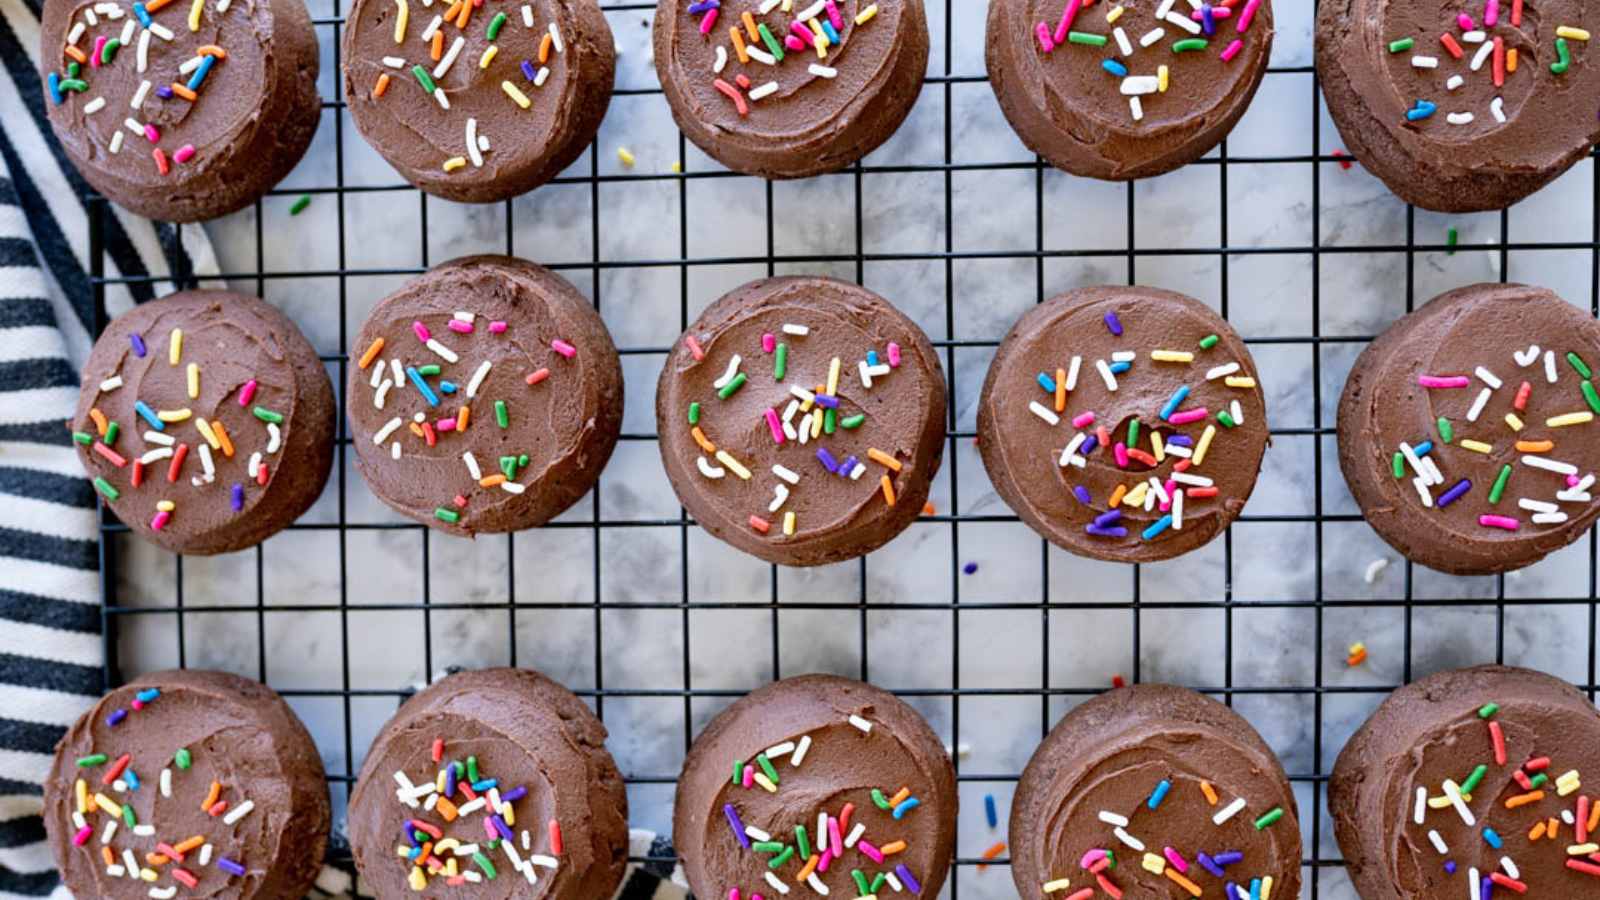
[
  {"x": 694, "y": 347},
  {"x": 825, "y": 860},
  {"x": 151, "y": 134},
  {"x": 1573, "y": 481},
  {"x": 1217, "y": 12},
  {"x": 160, "y": 521},
  {"x": 1505, "y": 522},
  {"x": 1491, "y": 13},
  {"x": 1232, "y": 50},
  {"x": 1045, "y": 43},
  {"x": 1443, "y": 381},
  {"x": 833, "y": 833},
  {"x": 1178, "y": 862},
  {"x": 423, "y": 334},
  {"x": 459, "y": 325},
  {"x": 1172, "y": 490},
  {"x": 99, "y": 47},
  {"x": 248, "y": 391},
  {"x": 446, "y": 425},
  {"x": 805, "y": 33},
  {"x": 1083, "y": 420},
  {"x": 1121, "y": 450},
  {"x": 894, "y": 355},
  {"x": 488, "y": 825},
  {"x": 749, "y": 776},
  {"x": 1247, "y": 16},
  {"x": 82, "y": 835},
  {"x": 706, "y": 25},
  {"x": 1465, "y": 21},
  {"x": 1092, "y": 857},
  {"x": 775, "y": 425},
  {"x": 871, "y": 851},
  {"x": 137, "y": 704},
  {"x": 768, "y": 343},
  {"x": 793, "y": 43},
  {"x": 564, "y": 348},
  {"x": 1188, "y": 415},
  {"x": 497, "y": 327},
  {"x": 733, "y": 893},
  {"x": 833, "y": 15},
  {"x": 183, "y": 154},
  {"x": 1066, "y": 20}
]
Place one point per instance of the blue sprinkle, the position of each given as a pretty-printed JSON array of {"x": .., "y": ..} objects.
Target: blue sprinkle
[
  {"x": 1423, "y": 449},
  {"x": 848, "y": 466},
  {"x": 448, "y": 387},
  {"x": 1114, "y": 323},
  {"x": 1089, "y": 446},
  {"x": 1115, "y": 68},
  {"x": 1180, "y": 440},
  {"x": 149, "y": 415},
  {"x": 701, "y": 6},
  {"x": 1107, "y": 517},
  {"x": 906, "y": 806},
  {"x": 145, "y": 696},
  {"x": 1116, "y": 531},
  {"x": 1046, "y": 382},
  {"x": 229, "y": 866},
  {"x": 1255, "y": 883},
  {"x": 988, "y": 807},
  {"x": 1232, "y": 891},
  {"x": 55, "y": 94},
  {"x": 1422, "y": 110},
  {"x": 206, "y": 62},
  {"x": 827, "y": 27},
  {"x": 1160, "y": 793},
  {"x": 1178, "y": 397},
  {"x": 485, "y": 784},
  {"x": 1119, "y": 368},
  {"x": 1229, "y": 858},
  {"x": 872, "y": 357},
  {"x": 1450, "y": 866},
  {"x": 1162, "y": 524},
  {"x": 1492, "y": 838},
  {"x": 142, "y": 13},
  {"x": 131, "y": 779},
  {"x": 827, "y": 402},
  {"x": 422, "y": 385},
  {"x": 827, "y": 459},
  {"x": 1209, "y": 22}
]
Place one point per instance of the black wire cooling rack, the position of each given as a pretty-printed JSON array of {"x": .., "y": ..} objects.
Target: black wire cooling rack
[{"x": 1321, "y": 164}]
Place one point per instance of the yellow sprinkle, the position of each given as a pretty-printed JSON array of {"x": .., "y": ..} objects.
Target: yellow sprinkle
[
  {"x": 816, "y": 425},
  {"x": 1205, "y": 441},
  {"x": 866, "y": 14},
  {"x": 400, "y": 21},
  {"x": 149, "y": 874},
  {"x": 174, "y": 415},
  {"x": 1477, "y": 447},
  {"x": 1177, "y": 356},
  {"x": 833, "y": 372},
  {"x": 507, "y": 814},
  {"x": 1357, "y": 647},
  {"x": 402, "y": 851},
  {"x": 487, "y": 57},
  {"x": 1266, "y": 888},
  {"x": 194, "y": 381},
  {"x": 82, "y": 790},
  {"x": 194, "y": 24},
  {"x": 1135, "y": 497},
  {"x": 454, "y": 163},
  {"x": 1236, "y": 382},
  {"x": 1444, "y": 802},
  {"x": 175, "y": 346},
  {"x": 1572, "y": 34},
  {"x": 625, "y": 156},
  {"x": 446, "y": 844},
  {"x": 1060, "y": 884},
  {"x": 821, "y": 39},
  {"x": 788, "y": 522},
  {"x": 1156, "y": 445},
  {"x": 166, "y": 505},
  {"x": 450, "y": 870},
  {"x": 439, "y": 782},
  {"x": 417, "y": 881},
  {"x": 737, "y": 467},
  {"x": 1161, "y": 79},
  {"x": 766, "y": 783},
  {"x": 677, "y": 167},
  {"x": 1582, "y": 849},
  {"x": 1154, "y": 863},
  {"x": 110, "y": 806},
  {"x": 1513, "y": 421},
  {"x": 1112, "y": 16},
  {"x": 1577, "y": 418},
  {"x": 1571, "y": 775},
  {"x": 513, "y": 93}
]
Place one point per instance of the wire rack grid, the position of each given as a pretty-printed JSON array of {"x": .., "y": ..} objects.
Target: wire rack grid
[{"x": 1055, "y": 609}]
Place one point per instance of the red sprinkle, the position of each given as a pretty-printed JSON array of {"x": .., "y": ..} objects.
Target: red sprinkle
[
  {"x": 1116, "y": 681},
  {"x": 116, "y": 458},
  {"x": 1508, "y": 882},
  {"x": 1499, "y": 739},
  {"x": 694, "y": 347},
  {"x": 1537, "y": 763},
  {"x": 1344, "y": 164},
  {"x": 844, "y": 817},
  {"x": 760, "y": 524},
  {"x": 1450, "y": 45},
  {"x": 167, "y": 849},
  {"x": 738, "y": 102},
  {"x": 218, "y": 808},
  {"x": 438, "y": 749},
  {"x": 1108, "y": 887},
  {"x": 177, "y": 462},
  {"x": 138, "y": 472},
  {"x": 1521, "y": 403},
  {"x": 555, "y": 838},
  {"x": 261, "y": 474},
  {"x": 161, "y": 160},
  {"x": 537, "y": 376},
  {"x": 427, "y": 431},
  {"x": 1523, "y": 779},
  {"x": 116, "y": 770},
  {"x": 1198, "y": 492},
  {"x": 460, "y": 500},
  {"x": 187, "y": 878},
  {"x": 1579, "y": 865}
]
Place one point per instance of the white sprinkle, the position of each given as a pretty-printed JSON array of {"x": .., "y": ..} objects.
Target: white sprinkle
[
  {"x": 1123, "y": 44},
  {"x": 274, "y": 437},
  {"x": 206, "y": 462},
  {"x": 382, "y": 393},
  {"x": 1151, "y": 36},
  {"x": 1111, "y": 818},
  {"x": 1175, "y": 450},
  {"x": 394, "y": 62},
  {"x": 1126, "y": 356},
  {"x": 1184, "y": 22},
  {"x": 822, "y": 832},
  {"x": 1238, "y": 413},
  {"x": 473, "y": 153},
  {"x": 733, "y": 369},
  {"x": 1538, "y": 506},
  {"x": 140, "y": 94},
  {"x": 153, "y": 455},
  {"x": 555, "y": 38},
  {"x": 527, "y": 16},
  {"x": 378, "y": 438},
  {"x": 756, "y": 834},
  {"x": 427, "y": 33},
  {"x": 1071, "y": 449},
  {"x": 1044, "y": 413},
  {"x": 817, "y": 885},
  {"x": 467, "y": 809},
  {"x": 1454, "y": 82},
  {"x": 255, "y": 463},
  {"x": 511, "y": 487},
  {"x": 786, "y": 474},
  {"x": 893, "y": 881},
  {"x": 111, "y": 829},
  {"x": 761, "y": 56},
  {"x": 811, "y": 12},
  {"x": 1140, "y": 84},
  {"x": 1550, "y": 465},
  {"x": 1159, "y": 490},
  {"x": 394, "y": 450},
  {"x": 1482, "y": 54},
  {"x": 132, "y": 862},
  {"x": 710, "y": 471},
  {"x": 768, "y": 6},
  {"x": 796, "y": 330},
  {"x": 1072, "y": 373},
  {"x": 780, "y": 750},
  {"x": 1425, "y": 62},
  {"x": 777, "y": 883},
  {"x": 133, "y": 125},
  {"x": 1488, "y": 377},
  {"x": 190, "y": 65},
  {"x": 1130, "y": 840},
  {"x": 800, "y": 751},
  {"x": 166, "y": 893},
  {"x": 90, "y": 17},
  {"x": 477, "y": 379},
  {"x": 1177, "y": 511},
  {"x": 1554, "y": 518},
  {"x": 1475, "y": 37},
  {"x": 144, "y": 50},
  {"x": 1478, "y": 405},
  {"x": 79, "y": 822},
  {"x": 1472, "y": 883},
  {"x": 156, "y": 437},
  {"x": 1550, "y": 366},
  {"x": 1528, "y": 357},
  {"x": 1510, "y": 867},
  {"x": 239, "y": 812},
  {"x": 766, "y": 90},
  {"x": 75, "y": 33},
  {"x": 127, "y": 30},
  {"x": 449, "y": 57},
  {"x": 161, "y": 31},
  {"x": 1221, "y": 371},
  {"x": 1229, "y": 811},
  {"x": 432, "y": 801},
  {"x": 444, "y": 352},
  {"x": 805, "y": 428},
  {"x": 144, "y": 830},
  {"x": 1497, "y": 107},
  {"x": 855, "y": 835},
  {"x": 722, "y": 60},
  {"x": 861, "y": 723},
  {"x": 466, "y": 850},
  {"x": 1421, "y": 484},
  {"x": 1196, "y": 480},
  {"x": 1438, "y": 842},
  {"x": 1105, "y": 370},
  {"x": 526, "y": 841},
  {"x": 823, "y": 71},
  {"x": 1164, "y": 8},
  {"x": 1460, "y": 118},
  {"x": 1135, "y": 109},
  {"x": 539, "y": 859},
  {"x": 1454, "y": 793},
  {"x": 222, "y": 5},
  {"x": 116, "y": 142},
  {"x": 781, "y": 496},
  {"x": 542, "y": 77}
]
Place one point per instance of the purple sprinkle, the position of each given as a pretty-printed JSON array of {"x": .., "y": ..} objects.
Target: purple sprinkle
[
  {"x": 970, "y": 567},
  {"x": 1106, "y": 518},
  {"x": 500, "y": 826},
  {"x": 1089, "y": 446},
  {"x": 164, "y": 92},
  {"x": 1208, "y": 20},
  {"x": 849, "y": 466},
  {"x": 1450, "y": 866},
  {"x": 906, "y": 879},
  {"x": 411, "y": 832},
  {"x": 1229, "y": 858},
  {"x": 827, "y": 459},
  {"x": 701, "y": 6},
  {"x": 1454, "y": 494},
  {"x": 514, "y": 795},
  {"x": 1231, "y": 891},
  {"x": 1211, "y": 865},
  {"x": 1488, "y": 888},
  {"x": 1113, "y": 323},
  {"x": 1106, "y": 532},
  {"x": 116, "y": 717},
  {"x": 238, "y": 497},
  {"x": 824, "y": 400},
  {"x": 1082, "y": 493},
  {"x": 138, "y": 344},
  {"x": 228, "y": 865},
  {"x": 738, "y": 826},
  {"x": 1180, "y": 440},
  {"x": 450, "y": 780},
  {"x": 529, "y": 71}
]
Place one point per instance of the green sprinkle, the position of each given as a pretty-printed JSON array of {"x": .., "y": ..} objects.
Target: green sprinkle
[
  {"x": 1588, "y": 394},
  {"x": 830, "y": 420},
  {"x": 767, "y": 847},
  {"x": 1226, "y": 418},
  {"x": 780, "y": 365},
  {"x": 1578, "y": 363},
  {"x": 738, "y": 772},
  {"x": 495, "y": 24},
  {"x": 781, "y": 858},
  {"x": 766, "y": 766},
  {"x": 694, "y": 414},
  {"x": 508, "y": 467},
  {"x": 1488, "y": 709},
  {"x": 495, "y": 844},
  {"x": 1494, "y": 495},
  {"x": 267, "y": 415},
  {"x": 522, "y": 461},
  {"x": 772, "y": 42},
  {"x": 1452, "y": 237},
  {"x": 83, "y": 437},
  {"x": 1399, "y": 464},
  {"x": 73, "y": 69},
  {"x": 299, "y": 206},
  {"x": 74, "y": 84},
  {"x": 428, "y": 370},
  {"x": 879, "y": 800},
  {"x": 128, "y": 816},
  {"x": 1111, "y": 859},
  {"x": 485, "y": 865},
  {"x": 1082, "y": 37},
  {"x": 182, "y": 758},
  {"x": 1269, "y": 818},
  {"x": 853, "y": 421},
  {"x": 1190, "y": 44},
  {"x": 877, "y": 882},
  {"x": 1474, "y": 778},
  {"x": 423, "y": 78},
  {"x": 1446, "y": 433},
  {"x": 1209, "y": 341},
  {"x": 800, "y": 839},
  {"x": 1538, "y": 779},
  {"x": 1133, "y": 433},
  {"x": 500, "y": 414},
  {"x": 109, "y": 50},
  {"x": 728, "y": 389},
  {"x": 104, "y": 487},
  {"x": 86, "y": 761},
  {"x": 448, "y": 515},
  {"x": 112, "y": 429},
  {"x": 472, "y": 769},
  {"x": 861, "y": 881},
  {"x": 1402, "y": 45},
  {"x": 1557, "y": 67}
]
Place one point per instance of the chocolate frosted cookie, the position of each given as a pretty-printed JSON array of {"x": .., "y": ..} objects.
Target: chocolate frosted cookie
[
  {"x": 485, "y": 396},
  {"x": 1154, "y": 791},
  {"x": 1123, "y": 423},
  {"x": 1126, "y": 91},
  {"x": 181, "y": 111},
  {"x": 790, "y": 91},
  {"x": 802, "y": 420},
  {"x": 1461, "y": 107},
  {"x": 478, "y": 103},
  {"x": 206, "y": 421},
  {"x": 836, "y": 787},
  {"x": 192, "y": 784},
  {"x": 491, "y": 785},
  {"x": 1467, "y": 429},
  {"x": 1466, "y": 783}
]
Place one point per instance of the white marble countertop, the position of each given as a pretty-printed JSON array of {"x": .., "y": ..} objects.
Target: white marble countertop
[{"x": 1184, "y": 635}]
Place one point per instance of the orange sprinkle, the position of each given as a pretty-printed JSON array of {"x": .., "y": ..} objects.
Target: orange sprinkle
[
  {"x": 492, "y": 481},
  {"x": 450, "y": 14},
  {"x": 810, "y": 866},
  {"x": 1521, "y": 799},
  {"x": 216, "y": 787},
  {"x": 900, "y": 796},
  {"x": 1535, "y": 446},
  {"x": 882, "y": 458},
  {"x": 1186, "y": 884},
  {"x": 461, "y": 418},
  {"x": 1209, "y": 791},
  {"x": 544, "y": 49},
  {"x": 445, "y": 807},
  {"x": 184, "y": 92},
  {"x": 1552, "y": 827},
  {"x": 193, "y": 843},
  {"x": 750, "y": 26},
  {"x": 107, "y": 855},
  {"x": 99, "y": 419},
  {"x": 466, "y": 13},
  {"x": 222, "y": 438},
  {"x": 377, "y": 91},
  {"x": 156, "y": 859},
  {"x": 1594, "y": 816},
  {"x": 1357, "y": 658},
  {"x": 892, "y": 847},
  {"x": 75, "y": 53},
  {"x": 701, "y": 439},
  {"x": 1511, "y": 60},
  {"x": 1061, "y": 390},
  {"x": 991, "y": 853},
  {"x": 437, "y": 50},
  {"x": 1537, "y": 832},
  {"x": 1116, "y": 500},
  {"x": 154, "y": 5},
  {"x": 888, "y": 490},
  {"x": 207, "y": 49},
  {"x": 738, "y": 44},
  {"x": 928, "y": 510},
  {"x": 370, "y": 354}
]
